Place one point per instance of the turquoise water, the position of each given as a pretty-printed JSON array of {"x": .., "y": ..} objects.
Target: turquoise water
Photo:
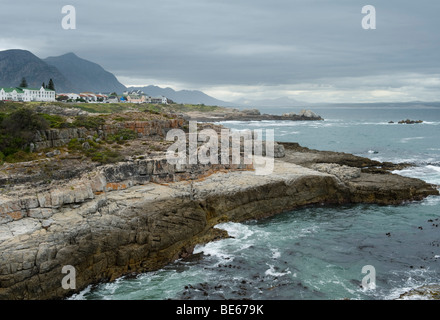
[{"x": 319, "y": 252}]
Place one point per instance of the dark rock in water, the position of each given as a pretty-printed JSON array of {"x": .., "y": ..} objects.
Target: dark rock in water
[
  {"x": 255, "y": 115},
  {"x": 252, "y": 112},
  {"x": 391, "y": 122},
  {"x": 408, "y": 121}
]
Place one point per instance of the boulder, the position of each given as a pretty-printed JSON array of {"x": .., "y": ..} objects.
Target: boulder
[
  {"x": 251, "y": 112},
  {"x": 308, "y": 114}
]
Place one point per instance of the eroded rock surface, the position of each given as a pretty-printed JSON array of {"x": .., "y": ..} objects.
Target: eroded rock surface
[{"x": 138, "y": 216}]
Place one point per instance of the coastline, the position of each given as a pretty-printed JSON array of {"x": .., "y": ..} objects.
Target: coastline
[{"x": 125, "y": 223}]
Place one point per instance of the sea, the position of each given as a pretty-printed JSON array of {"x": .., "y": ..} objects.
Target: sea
[{"x": 361, "y": 251}]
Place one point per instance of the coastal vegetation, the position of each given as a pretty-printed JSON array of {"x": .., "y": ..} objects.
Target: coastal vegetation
[
  {"x": 20, "y": 123},
  {"x": 110, "y": 108},
  {"x": 16, "y": 132}
]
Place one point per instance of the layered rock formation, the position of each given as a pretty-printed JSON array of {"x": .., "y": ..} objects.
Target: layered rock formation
[
  {"x": 54, "y": 138},
  {"x": 140, "y": 215}
]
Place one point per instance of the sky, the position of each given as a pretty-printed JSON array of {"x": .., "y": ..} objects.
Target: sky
[{"x": 307, "y": 50}]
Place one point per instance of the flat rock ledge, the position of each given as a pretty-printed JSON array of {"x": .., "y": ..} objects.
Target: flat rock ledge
[{"x": 131, "y": 227}]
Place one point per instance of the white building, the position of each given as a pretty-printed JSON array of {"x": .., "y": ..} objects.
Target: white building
[
  {"x": 27, "y": 94},
  {"x": 41, "y": 94},
  {"x": 160, "y": 100},
  {"x": 71, "y": 96},
  {"x": 89, "y": 96}
]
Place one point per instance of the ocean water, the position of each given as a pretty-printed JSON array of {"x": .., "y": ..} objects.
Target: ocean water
[{"x": 318, "y": 253}]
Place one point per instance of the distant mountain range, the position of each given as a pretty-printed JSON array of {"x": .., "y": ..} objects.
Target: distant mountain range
[
  {"x": 71, "y": 73},
  {"x": 68, "y": 72},
  {"x": 85, "y": 75},
  {"x": 183, "y": 96},
  {"x": 16, "y": 64}
]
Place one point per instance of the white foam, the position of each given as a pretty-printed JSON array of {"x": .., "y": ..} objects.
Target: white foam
[
  {"x": 410, "y": 282},
  {"x": 405, "y": 140},
  {"x": 433, "y": 168},
  {"x": 275, "y": 253},
  {"x": 431, "y": 201},
  {"x": 435, "y": 123},
  {"x": 227, "y": 249},
  {"x": 272, "y": 272},
  {"x": 81, "y": 295},
  {"x": 236, "y": 230},
  {"x": 215, "y": 249}
]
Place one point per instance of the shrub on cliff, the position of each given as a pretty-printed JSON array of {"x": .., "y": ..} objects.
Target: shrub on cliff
[{"x": 17, "y": 130}]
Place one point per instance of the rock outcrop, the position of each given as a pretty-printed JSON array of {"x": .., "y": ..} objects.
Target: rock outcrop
[
  {"x": 408, "y": 121},
  {"x": 54, "y": 138},
  {"x": 427, "y": 292},
  {"x": 253, "y": 115},
  {"x": 138, "y": 216}
]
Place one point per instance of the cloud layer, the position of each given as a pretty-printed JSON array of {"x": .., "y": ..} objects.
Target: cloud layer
[{"x": 312, "y": 50}]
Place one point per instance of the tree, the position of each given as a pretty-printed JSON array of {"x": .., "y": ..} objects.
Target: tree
[
  {"x": 18, "y": 129},
  {"x": 23, "y": 83},
  {"x": 51, "y": 85},
  {"x": 43, "y": 85}
]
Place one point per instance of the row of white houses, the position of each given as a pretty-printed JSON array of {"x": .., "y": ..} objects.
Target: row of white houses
[
  {"x": 27, "y": 94},
  {"x": 133, "y": 97}
]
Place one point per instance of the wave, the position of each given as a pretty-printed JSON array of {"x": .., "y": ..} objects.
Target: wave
[
  {"x": 409, "y": 280},
  {"x": 81, "y": 295},
  {"x": 272, "y": 272},
  {"x": 428, "y": 173},
  {"x": 406, "y": 140},
  {"x": 227, "y": 249},
  {"x": 431, "y": 167},
  {"x": 431, "y": 201}
]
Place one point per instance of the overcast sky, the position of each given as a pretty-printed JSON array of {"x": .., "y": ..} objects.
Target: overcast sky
[{"x": 308, "y": 50}]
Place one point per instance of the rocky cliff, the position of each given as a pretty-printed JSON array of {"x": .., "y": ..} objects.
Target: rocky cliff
[{"x": 139, "y": 215}]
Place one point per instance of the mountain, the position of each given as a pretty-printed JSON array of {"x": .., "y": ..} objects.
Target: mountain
[
  {"x": 85, "y": 75},
  {"x": 16, "y": 64},
  {"x": 276, "y": 102},
  {"x": 183, "y": 96}
]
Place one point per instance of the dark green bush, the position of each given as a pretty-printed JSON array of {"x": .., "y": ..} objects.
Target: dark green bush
[{"x": 17, "y": 130}]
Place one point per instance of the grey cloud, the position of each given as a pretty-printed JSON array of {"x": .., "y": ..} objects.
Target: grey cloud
[{"x": 240, "y": 42}]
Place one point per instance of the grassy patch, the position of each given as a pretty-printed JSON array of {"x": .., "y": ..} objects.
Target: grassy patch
[
  {"x": 95, "y": 151},
  {"x": 56, "y": 121},
  {"x": 21, "y": 156},
  {"x": 121, "y": 135},
  {"x": 104, "y": 107},
  {"x": 89, "y": 122}
]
